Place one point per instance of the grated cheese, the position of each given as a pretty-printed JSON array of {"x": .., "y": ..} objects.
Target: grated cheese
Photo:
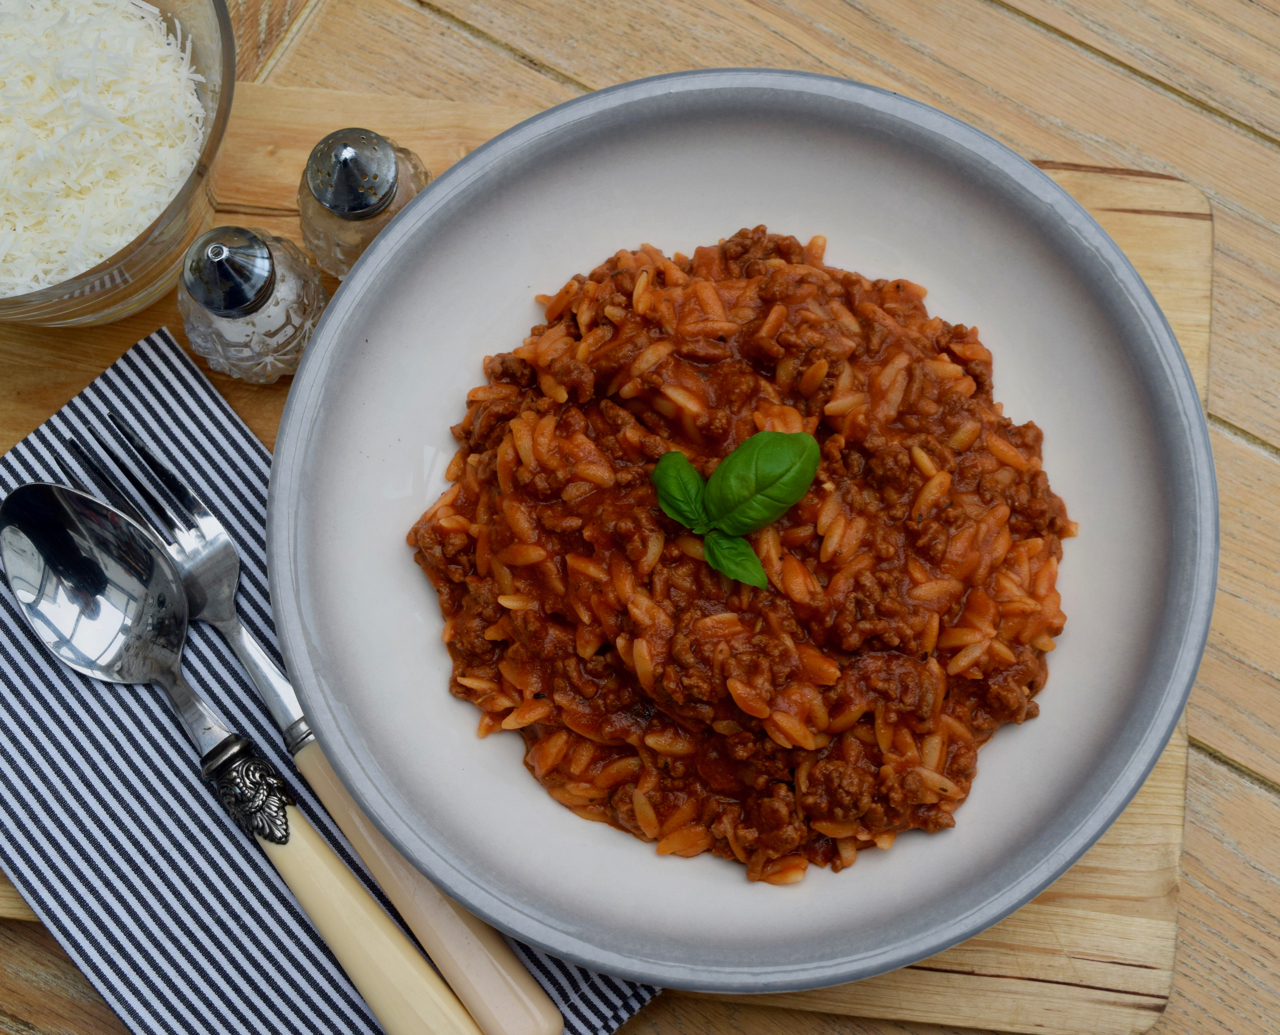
[{"x": 100, "y": 125}]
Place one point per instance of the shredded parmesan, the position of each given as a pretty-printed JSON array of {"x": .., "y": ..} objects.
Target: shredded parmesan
[{"x": 100, "y": 125}]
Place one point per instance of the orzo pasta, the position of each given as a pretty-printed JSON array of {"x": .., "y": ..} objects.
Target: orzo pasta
[{"x": 912, "y": 591}]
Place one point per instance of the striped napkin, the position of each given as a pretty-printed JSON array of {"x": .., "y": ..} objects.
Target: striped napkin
[{"x": 106, "y": 828}]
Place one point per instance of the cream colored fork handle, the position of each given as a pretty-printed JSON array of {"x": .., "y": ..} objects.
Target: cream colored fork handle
[
  {"x": 402, "y": 990},
  {"x": 501, "y": 994}
]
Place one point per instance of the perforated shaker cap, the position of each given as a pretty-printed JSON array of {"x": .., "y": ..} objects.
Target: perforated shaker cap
[
  {"x": 352, "y": 173},
  {"x": 229, "y": 271}
]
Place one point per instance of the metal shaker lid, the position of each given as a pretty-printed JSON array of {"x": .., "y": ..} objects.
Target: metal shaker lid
[
  {"x": 352, "y": 173},
  {"x": 229, "y": 271}
]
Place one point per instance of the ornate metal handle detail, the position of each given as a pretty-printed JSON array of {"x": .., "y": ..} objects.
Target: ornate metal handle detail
[{"x": 250, "y": 789}]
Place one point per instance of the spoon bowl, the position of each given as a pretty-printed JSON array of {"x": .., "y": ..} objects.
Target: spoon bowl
[
  {"x": 92, "y": 585},
  {"x": 103, "y": 595}
]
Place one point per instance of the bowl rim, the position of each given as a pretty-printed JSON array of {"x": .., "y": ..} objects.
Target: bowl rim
[
  {"x": 204, "y": 163},
  {"x": 1171, "y": 398}
]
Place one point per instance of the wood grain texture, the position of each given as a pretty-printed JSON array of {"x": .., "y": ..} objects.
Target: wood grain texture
[
  {"x": 681, "y": 1015},
  {"x": 1224, "y": 53},
  {"x": 42, "y": 992},
  {"x": 1235, "y": 707},
  {"x": 272, "y": 130},
  {"x": 12, "y": 905},
  {"x": 260, "y": 26},
  {"x": 1229, "y": 941},
  {"x": 382, "y": 46},
  {"x": 997, "y": 70}
]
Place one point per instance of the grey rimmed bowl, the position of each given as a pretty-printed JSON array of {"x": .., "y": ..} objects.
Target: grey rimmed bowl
[{"x": 899, "y": 189}]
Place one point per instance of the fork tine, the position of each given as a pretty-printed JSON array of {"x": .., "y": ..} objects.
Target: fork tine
[
  {"x": 167, "y": 478},
  {"x": 102, "y": 479},
  {"x": 176, "y": 526},
  {"x": 73, "y": 479}
]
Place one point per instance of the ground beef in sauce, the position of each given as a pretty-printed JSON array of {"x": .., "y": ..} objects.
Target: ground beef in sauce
[{"x": 912, "y": 590}]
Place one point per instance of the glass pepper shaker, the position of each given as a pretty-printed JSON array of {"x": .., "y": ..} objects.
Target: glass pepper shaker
[
  {"x": 249, "y": 302},
  {"x": 355, "y": 181}
]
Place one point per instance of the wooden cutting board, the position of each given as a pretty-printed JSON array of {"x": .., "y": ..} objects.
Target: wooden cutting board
[{"x": 1093, "y": 954}]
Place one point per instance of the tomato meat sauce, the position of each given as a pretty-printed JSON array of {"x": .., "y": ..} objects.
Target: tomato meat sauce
[{"x": 911, "y": 599}]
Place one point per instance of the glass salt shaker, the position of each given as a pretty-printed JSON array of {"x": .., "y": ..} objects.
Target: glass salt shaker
[
  {"x": 249, "y": 302},
  {"x": 355, "y": 181}
]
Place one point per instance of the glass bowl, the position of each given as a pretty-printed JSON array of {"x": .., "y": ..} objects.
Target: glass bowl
[{"x": 147, "y": 267}]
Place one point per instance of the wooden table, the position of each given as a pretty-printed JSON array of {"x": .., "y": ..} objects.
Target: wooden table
[{"x": 1176, "y": 87}]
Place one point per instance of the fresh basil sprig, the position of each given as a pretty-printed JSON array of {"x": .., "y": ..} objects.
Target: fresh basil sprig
[
  {"x": 681, "y": 490},
  {"x": 733, "y": 555},
  {"x": 753, "y": 486},
  {"x": 760, "y": 481}
]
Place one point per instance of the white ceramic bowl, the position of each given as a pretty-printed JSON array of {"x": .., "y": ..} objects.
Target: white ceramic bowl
[{"x": 898, "y": 189}]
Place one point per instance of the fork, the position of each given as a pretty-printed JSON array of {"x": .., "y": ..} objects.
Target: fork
[
  {"x": 501, "y": 995},
  {"x": 209, "y": 564}
]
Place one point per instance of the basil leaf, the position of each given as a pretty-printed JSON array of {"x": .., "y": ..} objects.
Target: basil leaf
[
  {"x": 680, "y": 490},
  {"x": 760, "y": 481},
  {"x": 733, "y": 555}
]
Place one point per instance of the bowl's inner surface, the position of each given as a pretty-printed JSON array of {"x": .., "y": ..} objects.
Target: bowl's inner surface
[{"x": 454, "y": 281}]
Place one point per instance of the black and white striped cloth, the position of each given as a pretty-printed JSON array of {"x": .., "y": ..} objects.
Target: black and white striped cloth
[{"x": 108, "y": 832}]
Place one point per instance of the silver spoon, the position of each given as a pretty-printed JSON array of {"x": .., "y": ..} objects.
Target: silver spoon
[
  {"x": 104, "y": 596},
  {"x": 96, "y": 588}
]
